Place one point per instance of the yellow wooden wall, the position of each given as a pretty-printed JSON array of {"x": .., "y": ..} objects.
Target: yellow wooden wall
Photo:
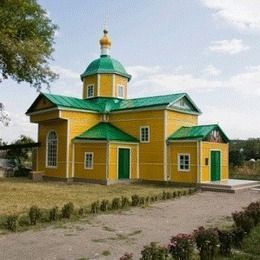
[
  {"x": 206, "y": 147},
  {"x": 60, "y": 127},
  {"x": 51, "y": 115},
  {"x": 78, "y": 123},
  {"x": 90, "y": 80},
  {"x": 151, "y": 155},
  {"x": 176, "y": 148},
  {"x": 106, "y": 85},
  {"x": 113, "y": 160},
  {"x": 99, "y": 166},
  {"x": 175, "y": 120}
]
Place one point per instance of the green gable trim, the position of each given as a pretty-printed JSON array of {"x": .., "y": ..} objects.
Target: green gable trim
[
  {"x": 107, "y": 105},
  {"x": 196, "y": 133},
  {"x": 106, "y": 65},
  {"x": 106, "y": 131}
]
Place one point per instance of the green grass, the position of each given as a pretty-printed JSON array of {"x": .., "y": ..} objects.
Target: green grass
[{"x": 17, "y": 195}]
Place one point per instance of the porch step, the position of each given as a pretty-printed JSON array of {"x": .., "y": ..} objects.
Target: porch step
[{"x": 229, "y": 185}]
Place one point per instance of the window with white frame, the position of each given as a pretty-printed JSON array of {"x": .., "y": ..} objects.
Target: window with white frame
[
  {"x": 145, "y": 134},
  {"x": 120, "y": 91},
  {"x": 88, "y": 163},
  {"x": 90, "y": 91},
  {"x": 183, "y": 162},
  {"x": 52, "y": 149}
]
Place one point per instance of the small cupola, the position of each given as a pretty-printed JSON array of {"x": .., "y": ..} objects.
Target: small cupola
[{"x": 105, "y": 76}]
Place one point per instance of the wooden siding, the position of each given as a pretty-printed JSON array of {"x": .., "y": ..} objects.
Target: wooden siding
[{"x": 90, "y": 80}]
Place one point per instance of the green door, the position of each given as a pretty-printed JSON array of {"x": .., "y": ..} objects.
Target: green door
[
  {"x": 123, "y": 163},
  {"x": 215, "y": 165}
]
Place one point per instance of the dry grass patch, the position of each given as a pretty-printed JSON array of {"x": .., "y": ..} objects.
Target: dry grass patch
[{"x": 18, "y": 194}]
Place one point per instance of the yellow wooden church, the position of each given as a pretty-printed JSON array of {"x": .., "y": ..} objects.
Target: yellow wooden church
[{"x": 104, "y": 137}]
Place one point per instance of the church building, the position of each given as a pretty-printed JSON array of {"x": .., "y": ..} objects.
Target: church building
[{"x": 105, "y": 137}]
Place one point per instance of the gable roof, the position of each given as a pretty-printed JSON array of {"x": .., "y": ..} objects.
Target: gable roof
[
  {"x": 106, "y": 131},
  {"x": 196, "y": 133},
  {"x": 106, "y": 105}
]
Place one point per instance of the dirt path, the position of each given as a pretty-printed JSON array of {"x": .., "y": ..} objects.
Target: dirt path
[{"x": 110, "y": 236}]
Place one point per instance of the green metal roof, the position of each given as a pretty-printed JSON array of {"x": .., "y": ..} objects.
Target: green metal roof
[
  {"x": 196, "y": 132},
  {"x": 106, "y": 131},
  {"x": 106, "y": 105},
  {"x": 105, "y": 64}
]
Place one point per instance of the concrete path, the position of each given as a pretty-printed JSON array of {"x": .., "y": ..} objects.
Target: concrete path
[{"x": 110, "y": 236}]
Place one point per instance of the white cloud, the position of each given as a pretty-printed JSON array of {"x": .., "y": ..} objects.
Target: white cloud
[
  {"x": 233, "y": 46},
  {"x": 243, "y": 14},
  {"x": 211, "y": 70}
]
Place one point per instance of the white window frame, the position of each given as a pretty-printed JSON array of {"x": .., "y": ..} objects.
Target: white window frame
[
  {"x": 85, "y": 161},
  {"x": 93, "y": 90},
  {"x": 179, "y": 162},
  {"x": 148, "y": 135},
  {"x": 55, "y": 164},
  {"x": 123, "y": 91}
]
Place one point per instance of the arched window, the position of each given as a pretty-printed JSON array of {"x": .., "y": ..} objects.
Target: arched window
[{"x": 51, "y": 153}]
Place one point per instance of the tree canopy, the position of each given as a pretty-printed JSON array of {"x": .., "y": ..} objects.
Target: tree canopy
[{"x": 26, "y": 42}]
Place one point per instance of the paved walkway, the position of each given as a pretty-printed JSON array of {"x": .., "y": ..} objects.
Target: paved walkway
[{"x": 115, "y": 234}]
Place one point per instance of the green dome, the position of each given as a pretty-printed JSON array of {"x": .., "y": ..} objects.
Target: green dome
[{"x": 105, "y": 64}]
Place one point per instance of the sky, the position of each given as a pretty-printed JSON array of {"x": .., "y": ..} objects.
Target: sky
[{"x": 209, "y": 49}]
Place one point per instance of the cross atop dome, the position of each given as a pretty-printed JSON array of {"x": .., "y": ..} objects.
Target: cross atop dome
[{"x": 105, "y": 44}]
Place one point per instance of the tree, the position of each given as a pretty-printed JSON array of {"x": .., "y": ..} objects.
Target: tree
[
  {"x": 26, "y": 44},
  {"x": 236, "y": 158}
]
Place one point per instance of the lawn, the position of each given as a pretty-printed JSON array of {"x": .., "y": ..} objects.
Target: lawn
[{"x": 18, "y": 194}]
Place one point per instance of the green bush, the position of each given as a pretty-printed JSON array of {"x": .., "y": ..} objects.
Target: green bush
[
  {"x": 104, "y": 205},
  {"x": 94, "y": 207},
  {"x": 181, "y": 247},
  {"x": 115, "y": 205},
  {"x": 179, "y": 193},
  {"x": 206, "y": 241},
  {"x": 154, "y": 252},
  {"x": 135, "y": 200},
  {"x": 164, "y": 195},
  {"x": 243, "y": 220},
  {"x": 125, "y": 202},
  {"x": 82, "y": 211},
  {"x": 238, "y": 235},
  {"x": 12, "y": 222},
  {"x": 54, "y": 214},
  {"x": 253, "y": 211},
  {"x": 225, "y": 240},
  {"x": 147, "y": 199},
  {"x": 34, "y": 215},
  {"x": 174, "y": 194},
  {"x": 67, "y": 210}
]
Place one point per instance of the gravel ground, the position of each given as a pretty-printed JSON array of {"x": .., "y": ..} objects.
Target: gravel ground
[{"x": 110, "y": 236}]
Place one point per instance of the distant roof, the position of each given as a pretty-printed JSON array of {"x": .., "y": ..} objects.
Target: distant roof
[
  {"x": 106, "y": 105},
  {"x": 196, "y": 132},
  {"x": 106, "y": 131},
  {"x": 105, "y": 64}
]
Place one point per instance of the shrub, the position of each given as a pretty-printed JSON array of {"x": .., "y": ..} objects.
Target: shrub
[
  {"x": 164, "y": 195},
  {"x": 142, "y": 201},
  {"x": 115, "y": 204},
  {"x": 104, "y": 206},
  {"x": 82, "y": 211},
  {"x": 147, "y": 199},
  {"x": 238, "y": 236},
  {"x": 94, "y": 207},
  {"x": 174, "y": 194},
  {"x": 181, "y": 247},
  {"x": 12, "y": 222},
  {"x": 127, "y": 256},
  {"x": 243, "y": 220},
  {"x": 206, "y": 241},
  {"x": 67, "y": 210},
  {"x": 154, "y": 252},
  {"x": 125, "y": 202},
  {"x": 225, "y": 239},
  {"x": 168, "y": 195},
  {"x": 34, "y": 215},
  {"x": 135, "y": 200},
  {"x": 253, "y": 211},
  {"x": 54, "y": 214},
  {"x": 178, "y": 193},
  {"x": 184, "y": 193}
]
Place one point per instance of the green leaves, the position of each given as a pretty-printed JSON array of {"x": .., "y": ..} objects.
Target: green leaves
[{"x": 26, "y": 42}]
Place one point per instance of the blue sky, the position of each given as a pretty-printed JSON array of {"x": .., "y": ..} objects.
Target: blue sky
[{"x": 209, "y": 49}]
